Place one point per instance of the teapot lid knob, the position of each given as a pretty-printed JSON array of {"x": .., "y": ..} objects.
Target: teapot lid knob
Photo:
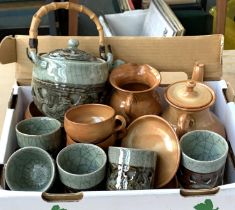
[{"x": 73, "y": 43}]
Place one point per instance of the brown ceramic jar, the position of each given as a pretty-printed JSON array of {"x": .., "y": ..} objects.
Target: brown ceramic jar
[
  {"x": 134, "y": 90},
  {"x": 189, "y": 102}
]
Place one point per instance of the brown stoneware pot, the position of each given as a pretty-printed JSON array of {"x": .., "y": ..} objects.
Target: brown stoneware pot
[
  {"x": 134, "y": 90},
  {"x": 189, "y": 108}
]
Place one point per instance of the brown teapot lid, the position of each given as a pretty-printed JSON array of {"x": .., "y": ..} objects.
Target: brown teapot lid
[{"x": 190, "y": 95}]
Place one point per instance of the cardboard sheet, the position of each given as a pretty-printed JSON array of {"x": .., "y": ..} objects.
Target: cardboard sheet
[{"x": 166, "y": 54}]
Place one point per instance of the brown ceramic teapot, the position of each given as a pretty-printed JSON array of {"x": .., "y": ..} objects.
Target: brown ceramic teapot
[
  {"x": 189, "y": 102},
  {"x": 134, "y": 90}
]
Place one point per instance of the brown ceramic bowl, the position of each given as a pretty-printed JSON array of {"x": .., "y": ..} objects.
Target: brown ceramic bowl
[
  {"x": 91, "y": 123},
  {"x": 110, "y": 141},
  {"x": 154, "y": 133},
  {"x": 32, "y": 111}
]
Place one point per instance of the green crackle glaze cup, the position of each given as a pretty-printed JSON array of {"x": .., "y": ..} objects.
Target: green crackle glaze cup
[
  {"x": 43, "y": 132},
  {"x": 203, "y": 159},
  {"x": 81, "y": 166},
  {"x": 30, "y": 169},
  {"x": 131, "y": 169}
]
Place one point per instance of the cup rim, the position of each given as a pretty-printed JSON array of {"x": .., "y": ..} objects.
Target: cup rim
[
  {"x": 30, "y": 148},
  {"x": 87, "y": 105},
  {"x": 208, "y": 161},
  {"x": 79, "y": 145},
  {"x": 37, "y": 118}
]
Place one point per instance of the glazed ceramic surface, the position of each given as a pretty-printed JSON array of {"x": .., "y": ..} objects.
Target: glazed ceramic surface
[
  {"x": 189, "y": 108},
  {"x": 134, "y": 91},
  {"x": 71, "y": 66},
  {"x": 131, "y": 169},
  {"x": 40, "y": 132},
  {"x": 193, "y": 180},
  {"x": 30, "y": 169},
  {"x": 81, "y": 166},
  {"x": 203, "y": 159},
  {"x": 53, "y": 100},
  {"x": 73, "y": 73},
  {"x": 92, "y": 123},
  {"x": 154, "y": 133},
  {"x": 203, "y": 151}
]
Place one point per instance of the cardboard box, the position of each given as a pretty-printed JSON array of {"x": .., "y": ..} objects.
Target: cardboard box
[{"x": 167, "y": 55}]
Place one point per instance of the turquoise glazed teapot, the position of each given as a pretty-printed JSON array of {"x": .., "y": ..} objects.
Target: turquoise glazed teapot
[{"x": 67, "y": 77}]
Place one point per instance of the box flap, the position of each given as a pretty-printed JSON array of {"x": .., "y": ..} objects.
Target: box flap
[
  {"x": 8, "y": 50},
  {"x": 165, "y": 54}
]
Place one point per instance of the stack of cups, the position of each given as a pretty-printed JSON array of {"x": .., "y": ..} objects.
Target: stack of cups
[{"x": 93, "y": 123}]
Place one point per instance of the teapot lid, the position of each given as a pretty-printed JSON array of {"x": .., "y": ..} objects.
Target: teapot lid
[
  {"x": 190, "y": 95},
  {"x": 72, "y": 53}
]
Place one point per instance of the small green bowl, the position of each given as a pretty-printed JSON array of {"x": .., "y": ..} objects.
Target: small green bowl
[
  {"x": 43, "y": 132},
  {"x": 30, "y": 169},
  {"x": 81, "y": 166}
]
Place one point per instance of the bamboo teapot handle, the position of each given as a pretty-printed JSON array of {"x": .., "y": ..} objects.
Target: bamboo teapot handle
[{"x": 33, "y": 32}]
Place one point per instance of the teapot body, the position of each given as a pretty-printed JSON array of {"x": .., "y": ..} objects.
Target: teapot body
[
  {"x": 198, "y": 120},
  {"x": 71, "y": 72}
]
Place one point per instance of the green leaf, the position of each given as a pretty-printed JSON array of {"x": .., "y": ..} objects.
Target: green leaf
[
  {"x": 201, "y": 206},
  {"x": 55, "y": 207},
  {"x": 209, "y": 204}
]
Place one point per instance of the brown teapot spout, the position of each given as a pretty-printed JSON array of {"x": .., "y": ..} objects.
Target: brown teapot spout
[{"x": 198, "y": 72}]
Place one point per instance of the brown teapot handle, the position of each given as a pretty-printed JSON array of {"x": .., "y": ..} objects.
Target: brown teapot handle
[
  {"x": 33, "y": 32},
  {"x": 185, "y": 121}
]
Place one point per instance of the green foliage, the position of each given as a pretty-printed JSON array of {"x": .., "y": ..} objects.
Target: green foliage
[
  {"x": 207, "y": 205},
  {"x": 57, "y": 207}
]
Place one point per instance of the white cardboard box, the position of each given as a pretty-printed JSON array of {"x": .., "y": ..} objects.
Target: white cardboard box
[{"x": 221, "y": 197}]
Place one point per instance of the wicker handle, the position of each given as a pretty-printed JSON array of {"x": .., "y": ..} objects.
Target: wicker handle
[{"x": 33, "y": 32}]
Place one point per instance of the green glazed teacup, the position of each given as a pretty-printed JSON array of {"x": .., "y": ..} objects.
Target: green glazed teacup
[
  {"x": 81, "y": 166},
  {"x": 43, "y": 132},
  {"x": 30, "y": 169},
  {"x": 203, "y": 159}
]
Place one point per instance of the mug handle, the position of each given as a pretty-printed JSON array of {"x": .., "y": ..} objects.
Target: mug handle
[
  {"x": 184, "y": 122},
  {"x": 123, "y": 123}
]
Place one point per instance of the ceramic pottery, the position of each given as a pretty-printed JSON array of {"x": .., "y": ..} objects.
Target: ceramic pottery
[
  {"x": 69, "y": 66},
  {"x": 189, "y": 109},
  {"x": 151, "y": 132},
  {"x": 43, "y": 132},
  {"x": 134, "y": 90},
  {"x": 203, "y": 159},
  {"x": 131, "y": 169},
  {"x": 32, "y": 111},
  {"x": 81, "y": 166},
  {"x": 66, "y": 77},
  {"x": 110, "y": 141},
  {"x": 30, "y": 169},
  {"x": 53, "y": 100},
  {"x": 92, "y": 123}
]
